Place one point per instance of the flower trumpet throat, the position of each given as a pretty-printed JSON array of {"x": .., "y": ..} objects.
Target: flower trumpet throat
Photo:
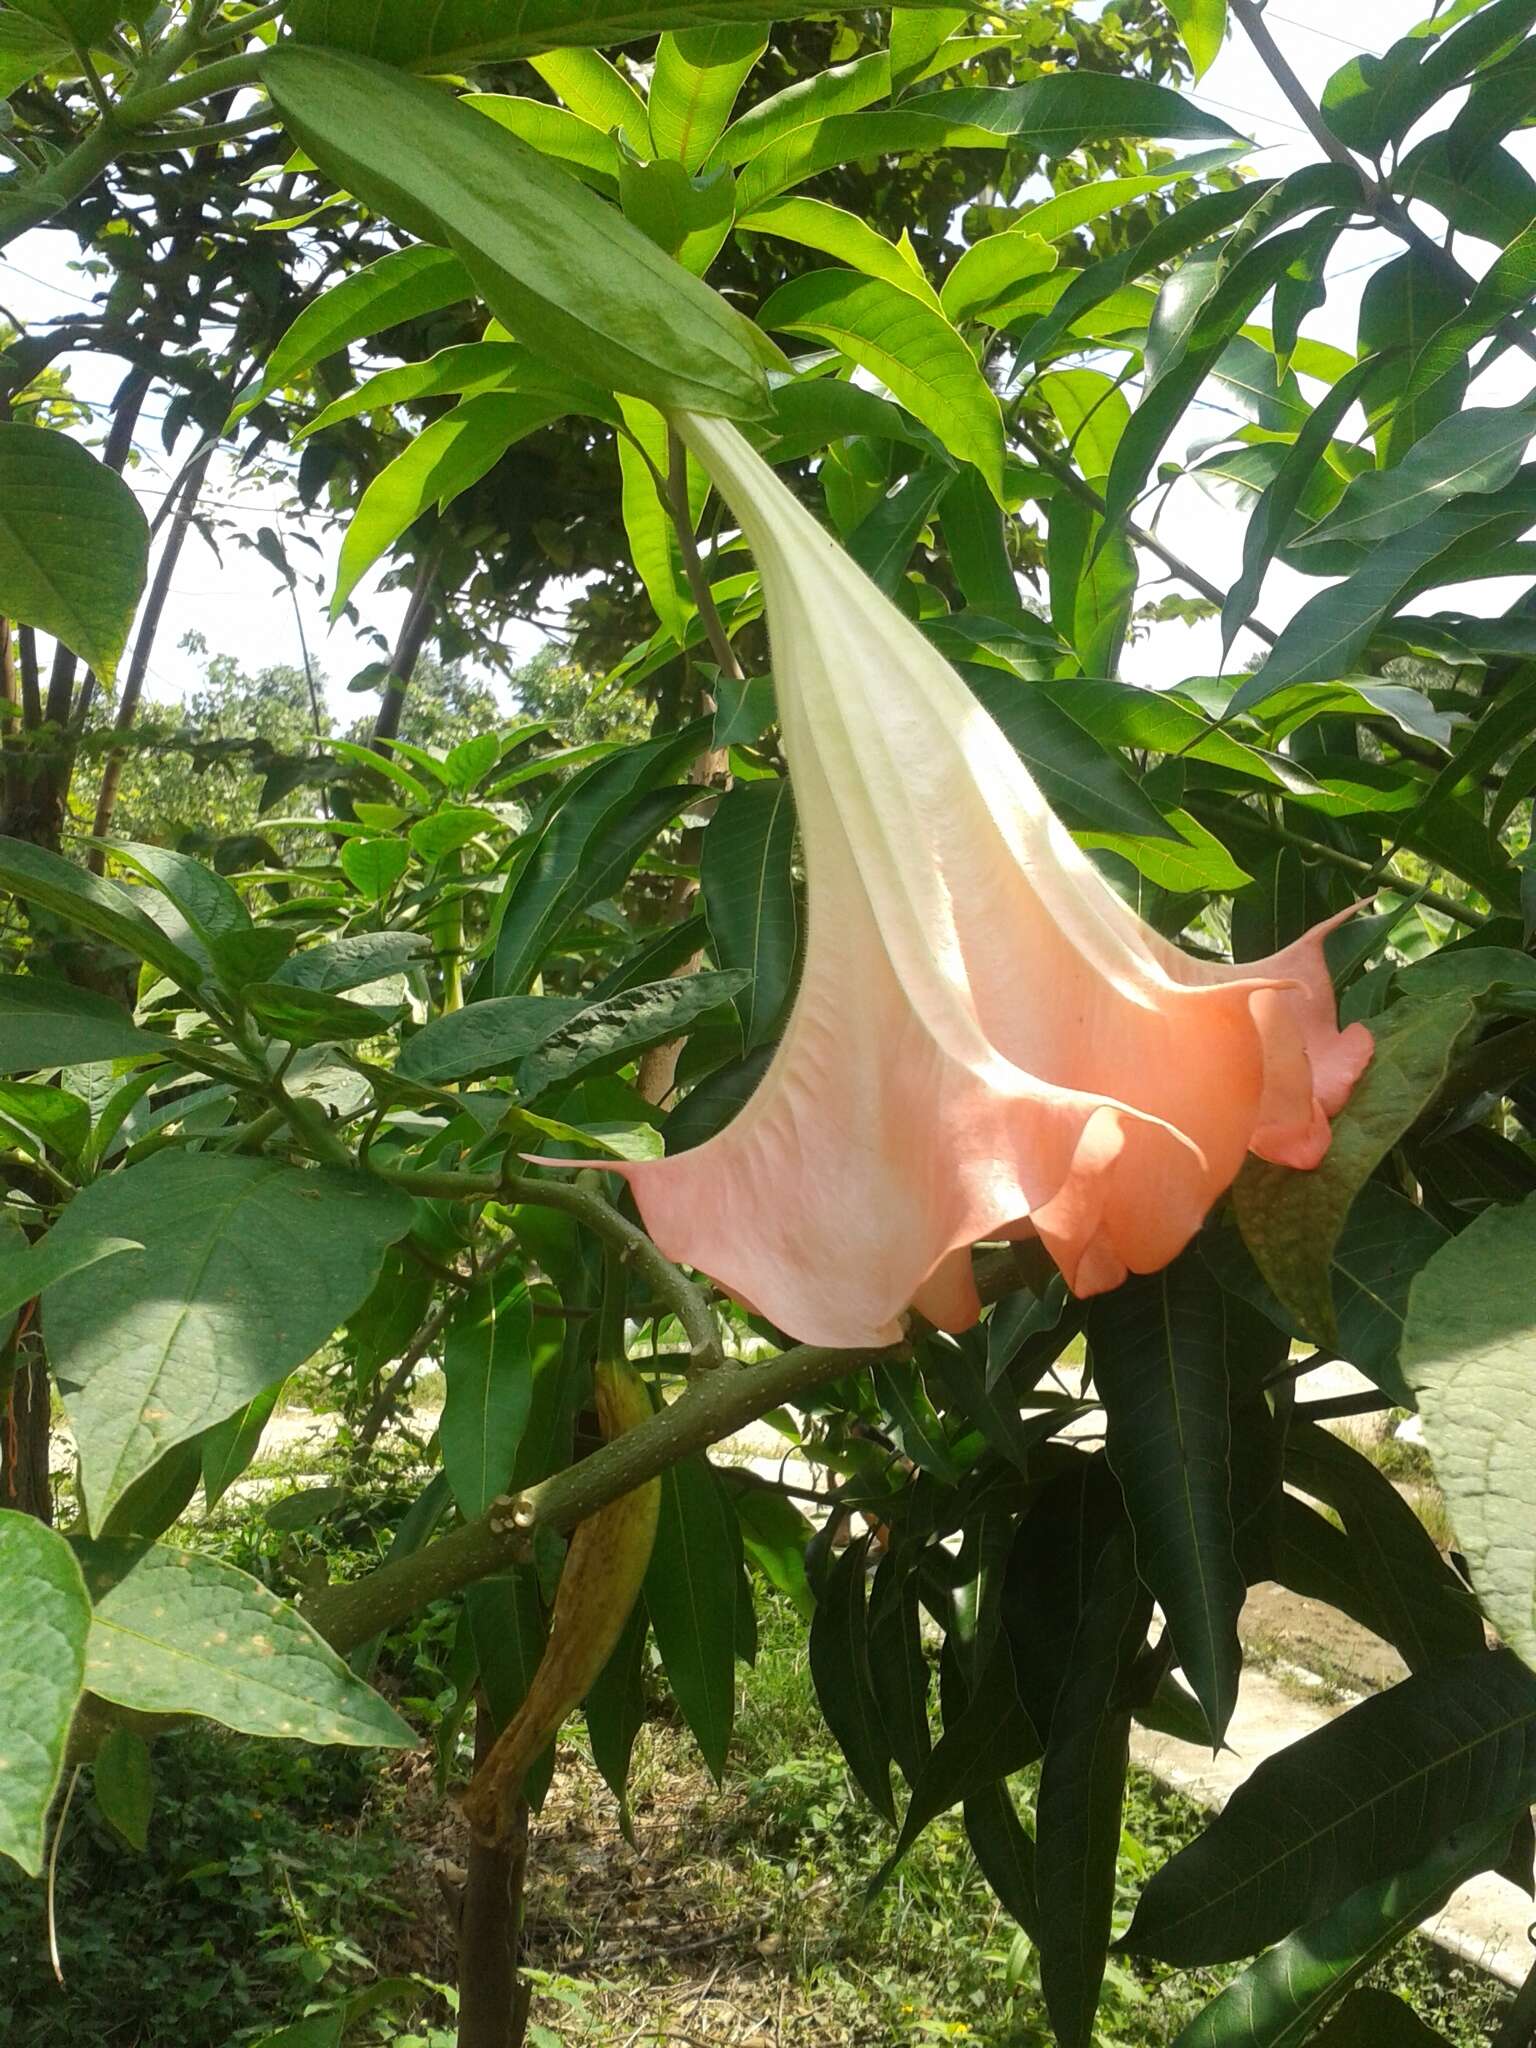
[
  {"x": 986, "y": 1041},
  {"x": 605, "y": 1564}
]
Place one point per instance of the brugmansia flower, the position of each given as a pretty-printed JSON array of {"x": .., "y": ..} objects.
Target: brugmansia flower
[{"x": 986, "y": 1039}]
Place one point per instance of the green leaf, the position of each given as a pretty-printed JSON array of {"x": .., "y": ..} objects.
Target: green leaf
[
  {"x": 484, "y": 1039},
  {"x": 611, "y": 1033},
  {"x": 307, "y": 1016},
  {"x": 1424, "y": 1610},
  {"x": 248, "y": 1266},
  {"x": 1053, "y": 115},
  {"x": 1079, "y": 776},
  {"x": 815, "y": 224},
  {"x": 697, "y": 75},
  {"x": 124, "y": 1785},
  {"x": 1278, "y": 2000},
  {"x": 1472, "y": 452},
  {"x": 898, "y": 1664},
  {"x": 74, "y": 544},
  {"x": 352, "y": 962},
  {"x": 1092, "y": 413},
  {"x": 690, "y": 1595},
  {"x": 648, "y": 522},
  {"x": 915, "y": 1423},
  {"x": 228, "y": 1448},
  {"x": 1469, "y": 1344},
  {"x": 1292, "y": 1221},
  {"x": 1159, "y": 1347},
  {"x": 913, "y": 351},
  {"x": 46, "y": 1618},
  {"x": 614, "y": 1710},
  {"x": 56, "y": 1120},
  {"x": 210, "y": 905},
  {"x": 374, "y": 866},
  {"x": 438, "y": 465},
  {"x": 404, "y": 285},
  {"x": 46, "y": 1023},
  {"x": 1404, "y": 304},
  {"x": 25, "y": 1272},
  {"x": 991, "y": 270},
  {"x": 1361, "y": 1799},
  {"x": 1201, "y": 24},
  {"x": 1005, "y": 1850},
  {"x": 606, "y": 815},
  {"x": 179, "y": 1632},
  {"x": 1082, "y": 1789},
  {"x": 84, "y": 899},
  {"x": 558, "y": 267},
  {"x": 1505, "y": 288},
  {"x": 598, "y": 92},
  {"x": 747, "y": 880},
  {"x": 1093, "y": 584},
  {"x": 1377, "y": 2019},
  {"x": 976, "y": 534},
  {"x": 844, "y": 1679},
  {"x": 488, "y": 1375},
  {"x": 456, "y": 34},
  {"x": 25, "y": 51}
]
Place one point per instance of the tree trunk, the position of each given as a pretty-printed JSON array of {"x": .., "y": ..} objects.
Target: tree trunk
[
  {"x": 493, "y": 1999},
  {"x": 24, "y": 1482}
]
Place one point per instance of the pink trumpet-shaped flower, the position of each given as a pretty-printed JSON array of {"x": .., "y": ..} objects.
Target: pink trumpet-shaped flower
[{"x": 986, "y": 1039}]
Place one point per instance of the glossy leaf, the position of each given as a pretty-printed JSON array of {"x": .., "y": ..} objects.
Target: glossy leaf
[
  {"x": 690, "y": 1596},
  {"x": 746, "y": 876},
  {"x": 488, "y": 1382},
  {"x": 697, "y": 76},
  {"x": 1471, "y": 452}
]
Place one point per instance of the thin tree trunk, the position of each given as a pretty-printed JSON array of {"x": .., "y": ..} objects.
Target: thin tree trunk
[
  {"x": 402, "y": 664},
  {"x": 149, "y": 626},
  {"x": 493, "y": 1998}
]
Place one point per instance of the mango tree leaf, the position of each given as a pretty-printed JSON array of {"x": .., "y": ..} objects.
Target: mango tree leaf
[
  {"x": 614, "y": 1711},
  {"x": 898, "y": 1664},
  {"x": 690, "y": 1595},
  {"x": 1005, "y": 1851},
  {"x": 1471, "y": 452},
  {"x": 747, "y": 882},
  {"x": 45, "y": 1023},
  {"x": 1278, "y": 2000},
  {"x": 697, "y": 75},
  {"x": 1361, "y": 1799},
  {"x": 1404, "y": 303},
  {"x": 913, "y": 351},
  {"x": 1082, "y": 1790},
  {"x": 1504, "y": 288},
  {"x": 248, "y": 1266},
  {"x": 844, "y": 1681},
  {"x": 1201, "y": 24},
  {"x": 560, "y": 268},
  {"x": 74, "y": 544},
  {"x": 45, "y": 1617},
  {"x": 401, "y": 286},
  {"x": 98, "y": 906},
  {"x": 611, "y": 1033},
  {"x": 1291, "y": 1221},
  {"x": 179, "y": 1632},
  {"x": 992, "y": 269},
  {"x": 815, "y": 224},
  {"x": 440, "y": 462},
  {"x": 488, "y": 1375},
  {"x": 1159, "y": 1350},
  {"x": 1469, "y": 1344},
  {"x": 1377, "y": 2019}
]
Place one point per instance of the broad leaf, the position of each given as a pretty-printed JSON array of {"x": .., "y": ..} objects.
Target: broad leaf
[
  {"x": 45, "y": 1616},
  {"x": 1360, "y": 1800},
  {"x": 179, "y": 1632},
  {"x": 485, "y": 1039},
  {"x": 1469, "y": 1345},
  {"x": 45, "y": 1023},
  {"x": 26, "y": 1271},
  {"x": 74, "y": 544},
  {"x": 248, "y": 1266},
  {"x": 697, "y": 75},
  {"x": 98, "y": 906},
  {"x": 610, "y": 1034}
]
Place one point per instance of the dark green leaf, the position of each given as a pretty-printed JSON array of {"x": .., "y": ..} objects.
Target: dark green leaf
[
  {"x": 615, "y": 1710},
  {"x": 352, "y": 962},
  {"x": 844, "y": 1679},
  {"x": 1077, "y": 773},
  {"x": 484, "y": 1039},
  {"x": 1005, "y": 1850},
  {"x": 228, "y": 1448},
  {"x": 47, "y": 1023},
  {"x": 1378, "y": 2019},
  {"x": 1362, "y": 1799},
  {"x": 488, "y": 1375},
  {"x": 98, "y": 906},
  {"x": 307, "y": 1016},
  {"x": 1159, "y": 1348},
  {"x": 746, "y": 875},
  {"x": 124, "y": 1785},
  {"x": 609, "y": 1034},
  {"x": 898, "y": 1669},
  {"x": 690, "y": 1595}
]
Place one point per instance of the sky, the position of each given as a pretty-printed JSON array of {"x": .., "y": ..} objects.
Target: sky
[{"x": 239, "y": 607}]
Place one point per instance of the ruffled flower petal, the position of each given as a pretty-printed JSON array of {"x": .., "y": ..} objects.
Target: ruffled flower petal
[{"x": 986, "y": 1037}]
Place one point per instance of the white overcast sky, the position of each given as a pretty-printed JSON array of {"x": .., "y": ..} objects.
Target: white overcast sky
[{"x": 240, "y": 609}]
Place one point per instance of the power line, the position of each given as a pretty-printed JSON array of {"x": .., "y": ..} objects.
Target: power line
[{"x": 1327, "y": 35}]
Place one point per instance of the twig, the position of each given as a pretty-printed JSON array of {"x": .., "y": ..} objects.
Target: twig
[
  {"x": 53, "y": 1875},
  {"x": 676, "y": 488}
]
